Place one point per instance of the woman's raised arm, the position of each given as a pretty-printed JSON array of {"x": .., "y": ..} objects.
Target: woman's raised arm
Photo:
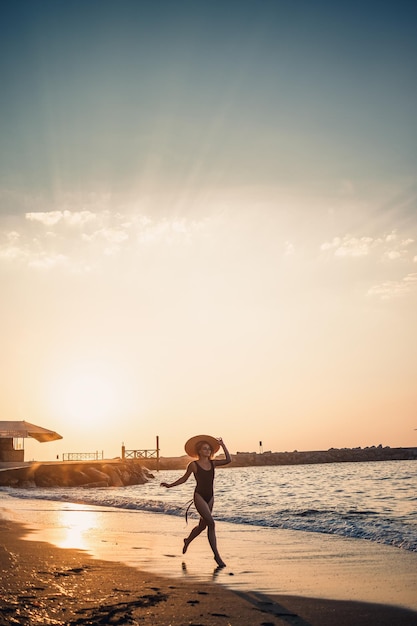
[
  {"x": 228, "y": 458},
  {"x": 183, "y": 478}
]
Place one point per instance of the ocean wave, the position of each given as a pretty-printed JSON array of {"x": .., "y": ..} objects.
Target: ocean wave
[{"x": 354, "y": 524}]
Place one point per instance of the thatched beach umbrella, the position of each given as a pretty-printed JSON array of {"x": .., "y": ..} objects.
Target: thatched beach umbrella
[{"x": 22, "y": 429}]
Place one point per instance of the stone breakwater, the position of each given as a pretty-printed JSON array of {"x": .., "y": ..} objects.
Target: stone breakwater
[
  {"x": 76, "y": 474},
  {"x": 333, "y": 455}
]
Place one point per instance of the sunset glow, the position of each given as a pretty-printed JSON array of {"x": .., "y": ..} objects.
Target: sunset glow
[
  {"x": 208, "y": 222},
  {"x": 86, "y": 398}
]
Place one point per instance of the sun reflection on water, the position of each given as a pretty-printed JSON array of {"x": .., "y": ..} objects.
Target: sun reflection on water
[{"x": 75, "y": 528}]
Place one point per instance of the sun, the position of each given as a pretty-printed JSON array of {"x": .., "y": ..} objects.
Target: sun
[{"x": 88, "y": 394}]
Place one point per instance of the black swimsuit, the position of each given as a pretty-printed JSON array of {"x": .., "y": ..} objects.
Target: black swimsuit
[{"x": 204, "y": 478}]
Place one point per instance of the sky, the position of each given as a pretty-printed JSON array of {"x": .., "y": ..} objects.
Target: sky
[{"x": 208, "y": 223}]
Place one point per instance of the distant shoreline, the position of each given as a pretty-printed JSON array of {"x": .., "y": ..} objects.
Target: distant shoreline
[
  {"x": 118, "y": 472},
  {"x": 333, "y": 455}
]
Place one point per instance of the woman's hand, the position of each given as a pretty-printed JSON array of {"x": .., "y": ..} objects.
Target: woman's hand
[{"x": 228, "y": 458}]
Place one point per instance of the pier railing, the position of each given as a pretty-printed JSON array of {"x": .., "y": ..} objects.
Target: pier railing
[
  {"x": 141, "y": 454},
  {"x": 83, "y": 456},
  {"x": 152, "y": 453}
]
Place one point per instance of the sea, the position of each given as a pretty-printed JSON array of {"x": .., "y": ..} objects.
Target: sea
[
  {"x": 341, "y": 531},
  {"x": 376, "y": 501}
]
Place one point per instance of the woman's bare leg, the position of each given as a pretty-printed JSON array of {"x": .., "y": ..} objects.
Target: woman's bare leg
[
  {"x": 204, "y": 510},
  {"x": 197, "y": 530}
]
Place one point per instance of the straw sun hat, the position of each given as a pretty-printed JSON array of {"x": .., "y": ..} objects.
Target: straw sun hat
[{"x": 191, "y": 444}]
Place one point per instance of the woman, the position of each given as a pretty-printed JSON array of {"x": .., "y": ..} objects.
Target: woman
[{"x": 203, "y": 447}]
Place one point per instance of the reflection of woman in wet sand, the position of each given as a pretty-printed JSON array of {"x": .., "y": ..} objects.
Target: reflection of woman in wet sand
[{"x": 203, "y": 447}]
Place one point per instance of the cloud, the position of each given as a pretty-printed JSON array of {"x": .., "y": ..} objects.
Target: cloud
[
  {"x": 111, "y": 235},
  {"x": 349, "y": 246},
  {"x": 289, "y": 248},
  {"x": 397, "y": 248},
  {"x": 11, "y": 249},
  {"x": 170, "y": 231},
  {"x": 394, "y": 289},
  {"x": 390, "y": 247},
  {"x": 80, "y": 239},
  {"x": 392, "y": 255},
  {"x": 70, "y": 218}
]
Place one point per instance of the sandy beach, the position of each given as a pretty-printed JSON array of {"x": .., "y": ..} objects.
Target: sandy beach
[{"x": 45, "y": 584}]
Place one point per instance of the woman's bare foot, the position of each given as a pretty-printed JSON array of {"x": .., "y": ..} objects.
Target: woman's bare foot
[
  {"x": 184, "y": 550},
  {"x": 219, "y": 562}
]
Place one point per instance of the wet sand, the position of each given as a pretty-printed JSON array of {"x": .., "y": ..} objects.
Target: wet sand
[
  {"x": 44, "y": 584},
  {"x": 268, "y": 560}
]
